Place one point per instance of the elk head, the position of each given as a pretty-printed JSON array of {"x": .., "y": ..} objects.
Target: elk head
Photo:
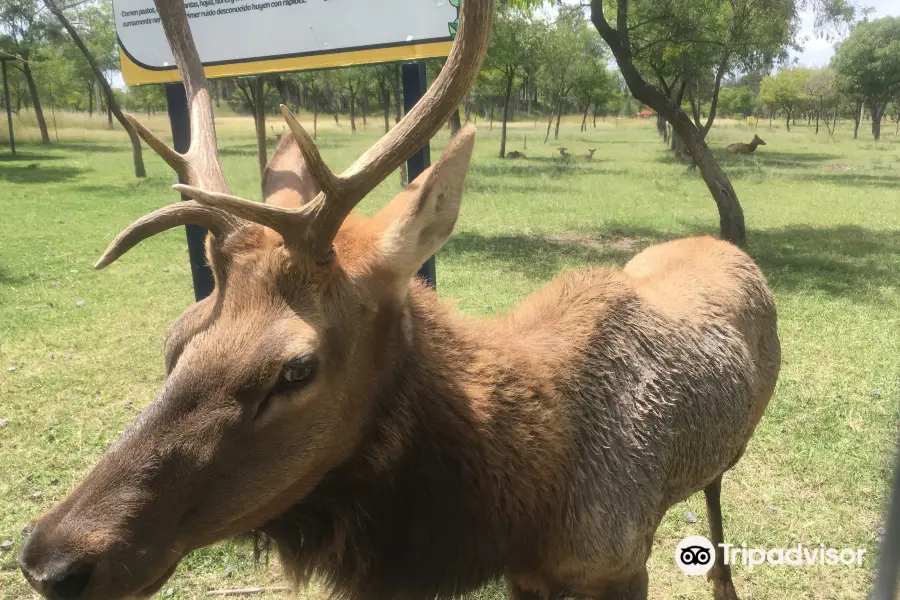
[
  {"x": 758, "y": 141},
  {"x": 270, "y": 380}
]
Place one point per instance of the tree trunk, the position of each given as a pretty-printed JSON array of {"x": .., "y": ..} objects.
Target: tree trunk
[
  {"x": 549, "y": 123},
  {"x": 817, "y": 122},
  {"x": 731, "y": 215},
  {"x": 36, "y": 103},
  {"x": 877, "y": 113},
  {"x": 112, "y": 104},
  {"x": 364, "y": 107},
  {"x": 857, "y": 117},
  {"x": 386, "y": 102},
  {"x": 315, "y": 119},
  {"x": 90, "y": 88},
  {"x": 353, "y": 111},
  {"x": 259, "y": 117},
  {"x": 455, "y": 124},
  {"x": 509, "y": 81},
  {"x": 395, "y": 86},
  {"x": 788, "y": 121},
  {"x": 558, "y": 118},
  {"x": 587, "y": 107}
]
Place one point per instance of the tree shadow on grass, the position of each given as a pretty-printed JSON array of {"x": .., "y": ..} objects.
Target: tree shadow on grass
[
  {"x": 7, "y": 279},
  {"x": 853, "y": 179},
  {"x": 38, "y": 174},
  {"x": 851, "y": 262},
  {"x": 26, "y": 156},
  {"x": 531, "y": 168},
  {"x": 784, "y": 160},
  {"x": 541, "y": 257},
  {"x": 94, "y": 148}
]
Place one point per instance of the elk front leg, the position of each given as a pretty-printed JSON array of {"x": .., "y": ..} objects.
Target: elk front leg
[
  {"x": 633, "y": 588},
  {"x": 514, "y": 591},
  {"x": 720, "y": 574}
]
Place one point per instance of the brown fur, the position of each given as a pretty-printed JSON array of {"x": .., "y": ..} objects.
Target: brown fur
[
  {"x": 741, "y": 148},
  {"x": 430, "y": 452}
]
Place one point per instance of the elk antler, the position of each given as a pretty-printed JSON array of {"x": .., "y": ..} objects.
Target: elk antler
[
  {"x": 314, "y": 225},
  {"x": 199, "y": 166}
]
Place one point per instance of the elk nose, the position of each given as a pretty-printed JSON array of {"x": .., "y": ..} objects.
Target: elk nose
[{"x": 60, "y": 579}]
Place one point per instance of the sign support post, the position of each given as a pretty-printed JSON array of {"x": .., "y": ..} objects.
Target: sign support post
[
  {"x": 414, "y": 86},
  {"x": 179, "y": 119}
]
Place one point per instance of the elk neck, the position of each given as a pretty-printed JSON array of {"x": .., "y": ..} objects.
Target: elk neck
[{"x": 465, "y": 451}]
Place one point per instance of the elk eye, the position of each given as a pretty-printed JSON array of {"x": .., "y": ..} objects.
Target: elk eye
[{"x": 298, "y": 371}]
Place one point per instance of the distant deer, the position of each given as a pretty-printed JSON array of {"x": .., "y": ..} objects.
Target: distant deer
[
  {"x": 390, "y": 447},
  {"x": 277, "y": 134},
  {"x": 590, "y": 154},
  {"x": 741, "y": 148},
  {"x": 564, "y": 153},
  {"x": 515, "y": 154}
]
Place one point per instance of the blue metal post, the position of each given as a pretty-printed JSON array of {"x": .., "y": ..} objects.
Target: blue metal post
[
  {"x": 414, "y": 86},
  {"x": 180, "y": 120}
]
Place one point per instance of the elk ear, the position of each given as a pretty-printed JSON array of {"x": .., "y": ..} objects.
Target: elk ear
[
  {"x": 286, "y": 181},
  {"x": 417, "y": 222}
]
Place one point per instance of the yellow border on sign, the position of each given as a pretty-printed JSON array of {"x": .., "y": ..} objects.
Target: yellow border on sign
[{"x": 134, "y": 74}]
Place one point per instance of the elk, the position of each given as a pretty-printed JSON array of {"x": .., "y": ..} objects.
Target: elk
[
  {"x": 742, "y": 148},
  {"x": 389, "y": 447},
  {"x": 278, "y": 134}
]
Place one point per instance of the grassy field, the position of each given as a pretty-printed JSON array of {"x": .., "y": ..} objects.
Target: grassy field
[{"x": 80, "y": 351}]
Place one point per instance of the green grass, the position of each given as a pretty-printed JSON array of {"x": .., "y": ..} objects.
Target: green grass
[{"x": 822, "y": 218}]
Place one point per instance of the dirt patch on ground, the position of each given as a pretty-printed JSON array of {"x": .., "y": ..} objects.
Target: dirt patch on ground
[
  {"x": 617, "y": 243},
  {"x": 839, "y": 168}
]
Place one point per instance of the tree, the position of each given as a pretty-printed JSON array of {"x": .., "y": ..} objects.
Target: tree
[
  {"x": 731, "y": 215},
  {"x": 734, "y": 101},
  {"x": 22, "y": 32},
  {"x": 513, "y": 51},
  {"x": 255, "y": 92},
  {"x": 111, "y": 101},
  {"x": 868, "y": 66},
  {"x": 571, "y": 48},
  {"x": 821, "y": 90},
  {"x": 592, "y": 86},
  {"x": 786, "y": 91}
]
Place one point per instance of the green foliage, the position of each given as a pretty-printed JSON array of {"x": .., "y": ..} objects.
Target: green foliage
[
  {"x": 868, "y": 62},
  {"x": 736, "y": 102},
  {"x": 786, "y": 90},
  {"x": 517, "y": 39}
]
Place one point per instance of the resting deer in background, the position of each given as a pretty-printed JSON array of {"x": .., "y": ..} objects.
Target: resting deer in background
[
  {"x": 590, "y": 153},
  {"x": 742, "y": 148},
  {"x": 388, "y": 446}
]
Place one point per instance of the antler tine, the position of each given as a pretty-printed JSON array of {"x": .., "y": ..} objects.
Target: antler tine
[
  {"x": 202, "y": 159},
  {"x": 198, "y": 166},
  {"x": 340, "y": 194},
  {"x": 167, "y": 217},
  {"x": 432, "y": 111},
  {"x": 327, "y": 181}
]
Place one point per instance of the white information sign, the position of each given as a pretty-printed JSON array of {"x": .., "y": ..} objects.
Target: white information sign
[{"x": 242, "y": 37}]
